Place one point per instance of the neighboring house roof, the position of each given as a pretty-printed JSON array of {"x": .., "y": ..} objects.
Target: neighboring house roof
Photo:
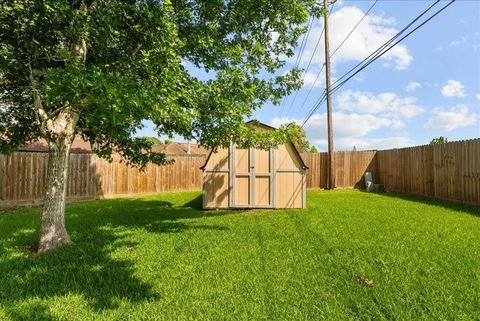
[
  {"x": 78, "y": 146},
  {"x": 268, "y": 127},
  {"x": 180, "y": 148},
  {"x": 81, "y": 146}
]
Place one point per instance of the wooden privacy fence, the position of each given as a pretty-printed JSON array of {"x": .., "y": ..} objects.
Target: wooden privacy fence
[
  {"x": 450, "y": 171},
  {"x": 349, "y": 168},
  {"x": 446, "y": 171},
  {"x": 22, "y": 176}
]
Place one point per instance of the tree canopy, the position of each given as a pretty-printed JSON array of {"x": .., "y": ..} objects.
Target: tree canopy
[
  {"x": 113, "y": 64},
  {"x": 99, "y": 68}
]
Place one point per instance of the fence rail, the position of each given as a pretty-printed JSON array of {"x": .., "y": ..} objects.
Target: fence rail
[
  {"x": 449, "y": 171},
  {"x": 22, "y": 176},
  {"x": 446, "y": 171},
  {"x": 349, "y": 168}
]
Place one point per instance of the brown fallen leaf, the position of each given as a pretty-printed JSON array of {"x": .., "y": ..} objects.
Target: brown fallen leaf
[{"x": 361, "y": 280}]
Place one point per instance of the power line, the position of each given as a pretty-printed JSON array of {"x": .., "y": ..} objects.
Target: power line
[
  {"x": 310, "y": 61},
  {"x": 297, "y": 61},
  {"x": 311, "y": 87},
  {"x": 379, "y": 49},
  {"x": 339, "y": 46},
  {"x": 397, "y": 42},
  {"x": 350, "y": 33},
  {"x": 304, "y": 40},
  {"x": 376, "y": 52},
  {"x": 317, "y": 104},
  {"x": 336, "y": 87},
  {"x": 367, "y": 61}
]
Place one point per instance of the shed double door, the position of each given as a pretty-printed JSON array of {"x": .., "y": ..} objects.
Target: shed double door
[{"x": 252, "y": 178}]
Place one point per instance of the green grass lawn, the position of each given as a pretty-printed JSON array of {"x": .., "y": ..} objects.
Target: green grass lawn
[{"x": 162, "y": 258}]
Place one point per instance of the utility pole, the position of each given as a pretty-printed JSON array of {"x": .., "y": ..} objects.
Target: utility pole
[{"x": 330, "y": 156}]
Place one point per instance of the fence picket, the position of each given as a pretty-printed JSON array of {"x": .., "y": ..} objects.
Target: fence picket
[{"x": 448, "y": 171}]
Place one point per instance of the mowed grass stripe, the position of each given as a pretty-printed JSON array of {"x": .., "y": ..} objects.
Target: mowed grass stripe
[{"x": 162, "y": 258}]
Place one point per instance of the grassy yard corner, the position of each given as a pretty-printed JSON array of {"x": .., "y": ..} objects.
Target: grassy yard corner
[{"x": 349, "y": 255}]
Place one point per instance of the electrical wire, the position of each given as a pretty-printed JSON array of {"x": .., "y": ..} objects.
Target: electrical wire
[
  {"x": 376, "y": 54},
  {"x": 350, "y": 33},
  {"x": 310, "y": 62},
  {"x": 297, "y": 61},
  {"x": 335, "y": 51},
  {"x": 386, "y": 44}
]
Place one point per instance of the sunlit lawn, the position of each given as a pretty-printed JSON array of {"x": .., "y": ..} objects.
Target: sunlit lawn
[{"x": 162, "y": 258}]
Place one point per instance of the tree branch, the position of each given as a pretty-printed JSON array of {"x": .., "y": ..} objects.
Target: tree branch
[
  {"x": 40, "y": 112},
  {"x": 137, "y": 49}
]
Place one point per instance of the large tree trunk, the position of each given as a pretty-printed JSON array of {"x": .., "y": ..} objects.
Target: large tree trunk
[
  {"x": 59, "y": 129},
  {"x": 52, "y": 231}
]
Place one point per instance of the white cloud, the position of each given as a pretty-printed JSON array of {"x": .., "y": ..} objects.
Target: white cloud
[
  {"x": 311, "y": 76},
  {"x": 477, "y": 96},
  {"x": 278, "y": 121},
  {"x": 384, "y": 103},
  {"x": 458, "y": 42},
  {"x": 372, "y": 143},
  {"x": 373, "y": 32},
  {"x": 350, "y": 130},
  {"x": 453, "y": 88},
  {"x": 345, "y": 125},
  {"x": 413, "y": 85},
  {"x": 451, "y": 118},
  {"x": 462, "y": 41}
]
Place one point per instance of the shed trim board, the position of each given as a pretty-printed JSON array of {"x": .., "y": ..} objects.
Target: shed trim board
[
  {"x": 231, "y": 160},
  {"x": 273, "y": 171},
  {"x": 204, "y": 173},
  {"x": 304, "y": 187},
  {"x": 251, "y": 170},
  {"x": 290, "y": 170}
]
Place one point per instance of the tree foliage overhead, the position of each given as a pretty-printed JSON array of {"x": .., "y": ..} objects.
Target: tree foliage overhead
[
  {"x": 298, "y": 136},
  {"x": 112, "y": 64},
  {"x": 153, "y": 140},
  {"x": 439, "y": 140}
]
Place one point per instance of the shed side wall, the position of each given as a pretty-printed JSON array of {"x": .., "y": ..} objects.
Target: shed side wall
[
  {"x": 287, "y": 158},
  {"x": 289, "y": 185},
  {"x": 216, "y": 180},
  {"x": 216, "y": 190}
]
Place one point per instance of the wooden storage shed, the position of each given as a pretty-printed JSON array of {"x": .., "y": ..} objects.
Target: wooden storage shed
[{"x": 254, "y": 178}]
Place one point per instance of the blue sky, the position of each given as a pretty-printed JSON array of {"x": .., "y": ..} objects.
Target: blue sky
[{"x": 427, "y": 87}]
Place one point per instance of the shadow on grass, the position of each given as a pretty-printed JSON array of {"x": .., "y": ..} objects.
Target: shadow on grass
[
  {"x": 459, "y": 207},
  {"x": 34, "y": 311},
  {"x": 195, "y": 203},
  {"x": 88, "y": 268}
]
